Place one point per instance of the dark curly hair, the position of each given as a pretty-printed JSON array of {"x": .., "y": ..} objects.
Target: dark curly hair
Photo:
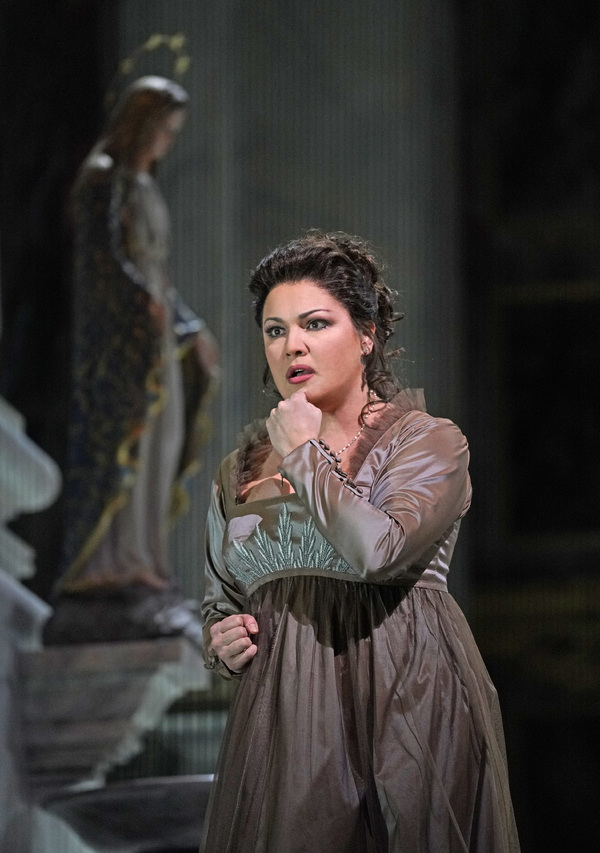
[{"x": 347, "y": 269}]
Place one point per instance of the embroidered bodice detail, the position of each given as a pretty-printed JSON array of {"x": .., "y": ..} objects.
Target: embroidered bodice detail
[
  {"x": 266, "y": 538},
  {"x": 261, "y": 555}
]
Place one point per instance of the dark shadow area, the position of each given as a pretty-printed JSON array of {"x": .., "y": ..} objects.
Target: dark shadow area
[
  {"x": 531, "y": 98},
  {"x": 53, "y": 52}
]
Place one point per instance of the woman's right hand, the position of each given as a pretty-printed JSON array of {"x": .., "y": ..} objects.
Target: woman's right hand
[{"x": 230, "y": 640}]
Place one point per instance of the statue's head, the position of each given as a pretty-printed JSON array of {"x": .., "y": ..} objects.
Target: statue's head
[{"x": 144, "y": 108}]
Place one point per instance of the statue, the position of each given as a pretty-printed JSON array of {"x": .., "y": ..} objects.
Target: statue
[{"x": 143, "y": 366}]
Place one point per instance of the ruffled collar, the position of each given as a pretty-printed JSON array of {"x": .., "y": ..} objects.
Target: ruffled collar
[
  {"x": 255, "y": 446},
  {"x": 407, "y": 400}
]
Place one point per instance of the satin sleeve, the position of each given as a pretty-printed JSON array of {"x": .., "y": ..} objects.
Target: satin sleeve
[
  {"x": 420, "y": 487},
  {"x": 221, "y": 596}
]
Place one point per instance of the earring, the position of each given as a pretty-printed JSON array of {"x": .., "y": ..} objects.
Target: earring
[{"x": 366, "y": 349}]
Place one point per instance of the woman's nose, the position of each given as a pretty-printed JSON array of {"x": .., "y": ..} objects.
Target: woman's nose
[{"x": 296, "y": 344}]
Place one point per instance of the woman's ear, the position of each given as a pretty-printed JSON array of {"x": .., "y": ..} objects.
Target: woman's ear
[{"x": 366, "y": 339}]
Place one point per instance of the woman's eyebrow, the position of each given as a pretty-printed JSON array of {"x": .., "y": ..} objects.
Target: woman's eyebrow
[
  {"x": 300, "y": 316},
  {"x": 314, "y": 311}
]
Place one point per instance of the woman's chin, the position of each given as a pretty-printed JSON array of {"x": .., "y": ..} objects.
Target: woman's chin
[{"x": 293, "y": 387}]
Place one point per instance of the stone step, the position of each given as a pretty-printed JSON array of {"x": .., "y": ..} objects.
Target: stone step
[{"x": 85, "y": 709}]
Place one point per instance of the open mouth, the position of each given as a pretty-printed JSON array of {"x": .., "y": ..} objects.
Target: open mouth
[{"x": 299, "y": 373}]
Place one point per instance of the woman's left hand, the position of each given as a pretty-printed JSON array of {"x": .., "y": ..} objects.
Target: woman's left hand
[{"x": 293, "y": 422}]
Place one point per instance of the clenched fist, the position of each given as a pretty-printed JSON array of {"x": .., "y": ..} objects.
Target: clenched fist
[
  {"x": 231, "y": 640},
  {"x": 293, "y": 422}
]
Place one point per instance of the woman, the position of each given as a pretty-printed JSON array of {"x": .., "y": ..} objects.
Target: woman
[
  {"x": 364, "y": 718},
  {"x": 143, "y": 363}
]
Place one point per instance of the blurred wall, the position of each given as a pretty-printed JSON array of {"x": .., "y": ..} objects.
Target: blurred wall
[
  {"x": 312, "y": 114},
  {"x": 303, "y": 114}
]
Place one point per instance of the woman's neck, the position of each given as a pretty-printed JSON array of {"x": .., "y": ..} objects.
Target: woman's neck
[{"x": 344, "y": 424}]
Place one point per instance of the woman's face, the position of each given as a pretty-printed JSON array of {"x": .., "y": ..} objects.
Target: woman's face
[{"x": 311, "y": 344}]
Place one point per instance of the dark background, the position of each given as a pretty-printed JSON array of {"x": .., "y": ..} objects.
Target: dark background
[
  {"x": 529, "y": 82},
  {"x": 531, "y": 125}
]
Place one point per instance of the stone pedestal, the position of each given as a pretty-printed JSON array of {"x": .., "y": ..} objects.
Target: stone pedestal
[
  {"x": 85, "y": 708},
  {"x": 142, "y": 816},
  {"x": 68, "y": 714}
]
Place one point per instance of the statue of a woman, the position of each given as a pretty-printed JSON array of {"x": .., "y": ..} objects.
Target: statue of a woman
[{"x": 143, "y": 363}]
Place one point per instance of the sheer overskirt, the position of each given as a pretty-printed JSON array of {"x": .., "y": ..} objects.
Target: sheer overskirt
[{"x": 366, "y": 723}]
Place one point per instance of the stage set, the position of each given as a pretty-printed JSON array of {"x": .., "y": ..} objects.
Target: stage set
[{"x": 461, "y": 140}]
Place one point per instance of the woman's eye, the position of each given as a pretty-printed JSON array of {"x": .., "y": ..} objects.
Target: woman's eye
[
  {"x": 274, "y": 331},
  {"x": 316, "y": 323}
]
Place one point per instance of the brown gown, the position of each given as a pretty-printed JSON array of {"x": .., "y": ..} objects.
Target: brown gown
[{"x": 367, "y": 722}]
